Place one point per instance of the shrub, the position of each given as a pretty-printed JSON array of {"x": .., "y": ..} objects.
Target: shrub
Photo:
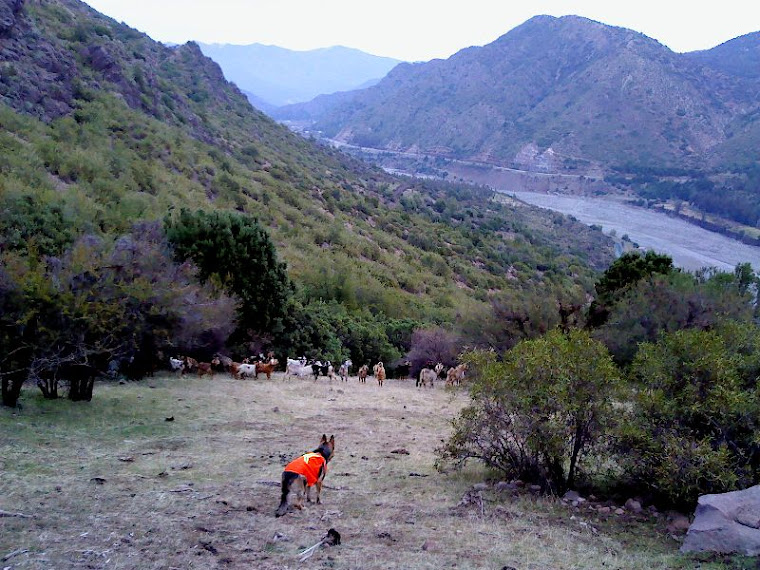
[
  {"x": 666, "y": 303},
  {"x": 432, "y": 345},
  {"x": 620, "y": 276},
  {"x": 541, "y": 412},
  {"x": 234, "y": 251},
  {"x": 693, "y": 427}
]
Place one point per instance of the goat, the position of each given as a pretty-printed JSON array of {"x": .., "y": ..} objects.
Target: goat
[
  {"x": 344, "y": 370},
  {"x": 246, "y": 370},
  {"x": 294, "y": 365},
  {"x": 207, "y": 367},
  {"x": 267, "y": 368},
  {"x": 379, "y": 371},
  {"x": 325, "y": 369},
  {"x": 456, "y": 375},
  {"x": 430, "y": 373},
  {"x": 234, "y": 369},
  {"x": 363, "y": 371},
  {"x": 224, "y": 362},
  {"x": 176, "y": 364},
  {"x": 427, "y": 376},
  {"x": 190, "y": 364},
  {"x": 299, "y": 370}
]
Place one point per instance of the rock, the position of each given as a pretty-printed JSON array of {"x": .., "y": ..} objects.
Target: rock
[
  {"x": 619, "y": 511},
  {"x": 480, "y": 487},
  {"x": 400, "y": 451},
  {"x": 534, "y": 488},
  {"x": 727, "y": 523},
  {"x": 571, "y": 496},
  {"x": 99, "y": 57},
  {"x": 677, "y": 523},
  {"x": 634, "y": 506},
  {"x": 604, "y": 510},
  {"x": 505, "y": 486}
]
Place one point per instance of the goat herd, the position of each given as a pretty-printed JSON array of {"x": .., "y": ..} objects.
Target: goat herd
[{"x": 303, "y": 368}]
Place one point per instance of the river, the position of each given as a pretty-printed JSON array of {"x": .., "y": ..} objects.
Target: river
[{"x": 690, "y": 246}]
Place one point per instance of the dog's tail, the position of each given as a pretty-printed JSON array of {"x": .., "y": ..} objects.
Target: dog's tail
[{"x": 287, "y": 480}]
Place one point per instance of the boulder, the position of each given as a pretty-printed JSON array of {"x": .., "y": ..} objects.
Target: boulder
[
  {"x": 634, "y": 506},
  {"x": 678, "y": 523},
  {"x": 571, "y": 496},
  {"x": 99, "y": 57},
  {"x": 726, "y": 523},
  {"x": 505, "y": 486}
]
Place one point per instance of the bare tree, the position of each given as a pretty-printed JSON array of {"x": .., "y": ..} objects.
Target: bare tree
[{"x": 433, "y": 346}]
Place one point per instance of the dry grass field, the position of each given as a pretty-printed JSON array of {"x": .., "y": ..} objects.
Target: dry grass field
[{"x": 118, "y": 483}]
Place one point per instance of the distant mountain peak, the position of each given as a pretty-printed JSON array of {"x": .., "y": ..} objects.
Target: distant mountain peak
[
  {"x": 280, "y": 76},
  {"x": 597, "y": 95}
]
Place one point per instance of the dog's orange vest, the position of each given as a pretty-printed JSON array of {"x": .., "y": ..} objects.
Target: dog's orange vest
[{"x": 309, "y": 466}]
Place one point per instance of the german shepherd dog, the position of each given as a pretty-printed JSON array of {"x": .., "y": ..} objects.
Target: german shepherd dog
[{"x": 305, "y": 472}]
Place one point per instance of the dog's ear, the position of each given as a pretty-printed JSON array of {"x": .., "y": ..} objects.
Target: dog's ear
[
  {"x": 332, "y": 441},
  {"x": 324, "y": 439}
]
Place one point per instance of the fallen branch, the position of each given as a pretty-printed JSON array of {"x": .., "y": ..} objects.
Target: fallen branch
[
  {"x": 19, "y": 515},
  {"x": 332, "y": 538},
  {"x": 14, "y": 553}
]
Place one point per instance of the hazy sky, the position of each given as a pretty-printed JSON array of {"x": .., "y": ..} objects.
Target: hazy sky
[{"x": 420, "y": 29}]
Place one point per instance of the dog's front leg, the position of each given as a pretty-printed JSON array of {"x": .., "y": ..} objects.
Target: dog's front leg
[{"x": 318, "y": 485}]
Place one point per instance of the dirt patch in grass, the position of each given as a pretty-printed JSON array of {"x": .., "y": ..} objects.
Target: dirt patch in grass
[{"x": 184, "y": 473}]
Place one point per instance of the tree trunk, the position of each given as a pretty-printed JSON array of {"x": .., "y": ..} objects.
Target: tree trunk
[
  {"x": 82, "y": 384},
  {"x": 11, "y": 387},
  {"x": 48, "y": 387}
]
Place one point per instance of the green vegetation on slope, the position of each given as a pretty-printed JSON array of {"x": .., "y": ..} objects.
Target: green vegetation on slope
[{"x": 102, "y": 128}]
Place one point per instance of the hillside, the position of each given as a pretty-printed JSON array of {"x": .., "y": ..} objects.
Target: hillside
[
  {"x": 568, "y": 83},
  {"x": 103, "y": 127},
  {"x": 280, "y": 76},
  {"x": 572, "y": 96}
]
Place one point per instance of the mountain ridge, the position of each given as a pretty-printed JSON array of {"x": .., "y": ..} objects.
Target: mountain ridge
[
  {"x": 570, "y": 84},
  {"x": 281, "y": 76}
]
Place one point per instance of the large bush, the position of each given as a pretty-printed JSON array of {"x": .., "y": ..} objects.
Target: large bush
[
  {"x": 235, "y": 252},
  {"x": 694, "y": 423},
  {"x": 667, "y": 303},
  {"x": 539, "y": 413},
  {"x": 329, "y": 331},
  {"x": 103, "y": 305},
  {"x": 629, "y": 269}
]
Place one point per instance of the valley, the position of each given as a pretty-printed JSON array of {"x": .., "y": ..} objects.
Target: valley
[{"x": 587, "y": 199}]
